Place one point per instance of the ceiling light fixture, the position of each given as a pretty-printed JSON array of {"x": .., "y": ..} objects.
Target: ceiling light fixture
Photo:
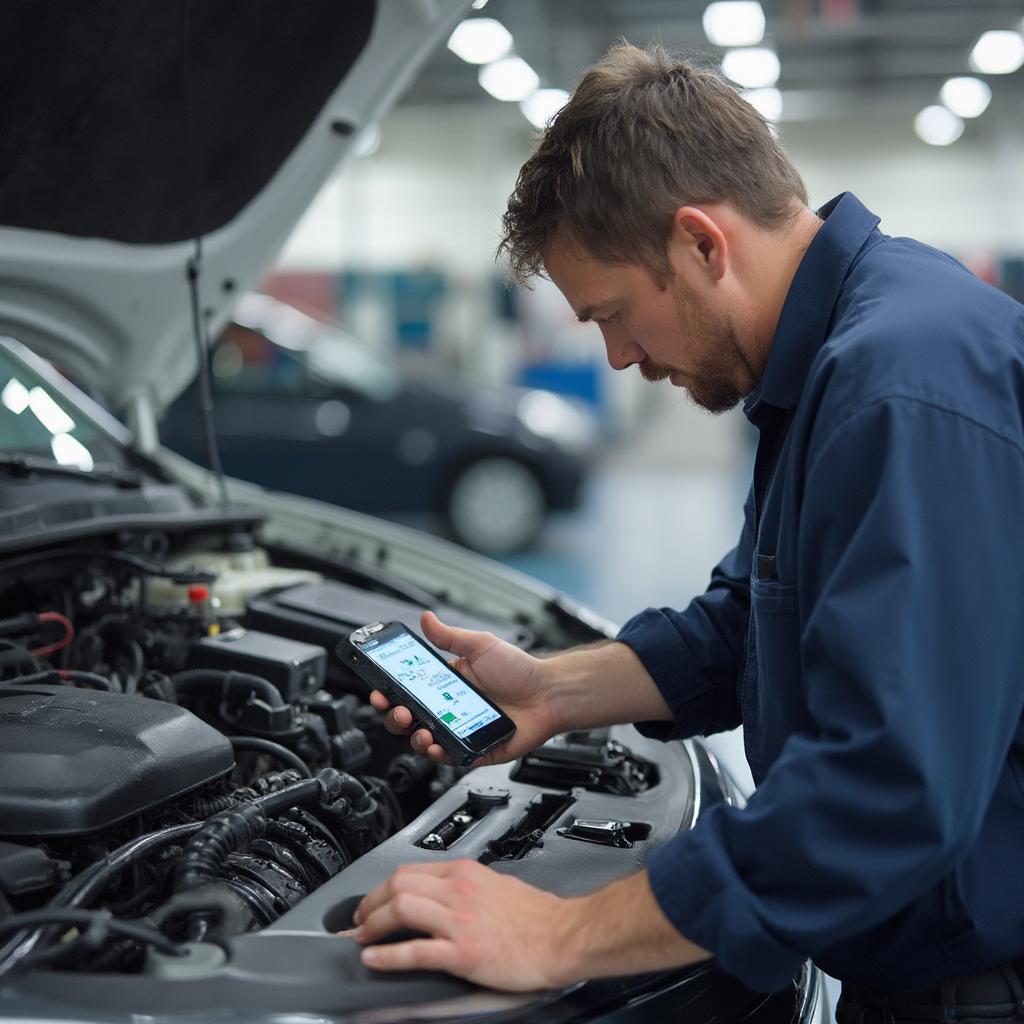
[
  {"x": 734, "y": 23},
  {"x": 49, "y": 413},
  {"x": 767, "y": 102},
  {"x": 998, "y": 53},
  {"x": 938, "y": 126},
  {"x": 480, "y": 40},
  {"x": 510, "y": 79},
  {"x": 966, "y": 97},
  {"x": 752, "y": 68},
  {"x": 15, "y": 396},
  {"x": 69, "y": 451},
  {"x": 540, "y": 107}
]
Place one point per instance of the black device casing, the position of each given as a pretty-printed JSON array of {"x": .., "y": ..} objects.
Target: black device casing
[{"x": 460, "y": 751}]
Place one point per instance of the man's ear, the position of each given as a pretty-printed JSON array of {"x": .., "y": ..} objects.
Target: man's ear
[{"x": 697, "y": 242}]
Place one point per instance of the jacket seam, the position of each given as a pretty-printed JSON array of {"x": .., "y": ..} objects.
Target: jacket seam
[{"x": 879, "y": 398}]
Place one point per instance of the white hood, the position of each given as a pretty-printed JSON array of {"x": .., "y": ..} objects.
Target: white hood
[{"x": 107, "y": 297}]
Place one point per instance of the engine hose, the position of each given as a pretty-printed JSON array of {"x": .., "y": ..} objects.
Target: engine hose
[
  {"x": 385, "y": 797},
  {"x": 356, "y": 793},
  {"x": 138, "y": 666},
  {"x": 274, "y": 750},
  {"x": 407, "y": 770},
  {"x": 89, "y": 883},
  {"x": 158, "y": 686},
  {"x": 57, "y": 676},
  {"x": 325, "y": 788},
  {"x": 236, "y": 828},
  {"x": 238, "y": 684},
  {"x": 204, "y": 806},
  {"x": 222, "y": 834}
]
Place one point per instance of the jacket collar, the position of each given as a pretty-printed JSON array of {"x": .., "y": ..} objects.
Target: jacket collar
[{"x": 807, "y": 312}]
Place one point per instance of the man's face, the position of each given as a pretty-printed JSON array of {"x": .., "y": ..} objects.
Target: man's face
[{"x": 665, "y": 330}]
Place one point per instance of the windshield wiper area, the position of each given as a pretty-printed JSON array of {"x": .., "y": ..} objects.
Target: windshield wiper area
[{"x": 26, "y": 465}]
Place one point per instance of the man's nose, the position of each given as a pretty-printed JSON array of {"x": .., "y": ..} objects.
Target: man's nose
[{"x": 621, "y": 349}]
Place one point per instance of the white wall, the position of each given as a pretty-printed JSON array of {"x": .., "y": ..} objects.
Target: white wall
[
  {"x": 435, "y": 190},
  {"x": 965, "y": 198}
]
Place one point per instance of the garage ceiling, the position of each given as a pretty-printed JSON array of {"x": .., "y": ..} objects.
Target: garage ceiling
[{"x": 839, "y": 57}]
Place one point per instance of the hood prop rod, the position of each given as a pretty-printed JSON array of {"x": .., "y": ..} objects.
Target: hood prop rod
[{"x": 194, "y": 267}]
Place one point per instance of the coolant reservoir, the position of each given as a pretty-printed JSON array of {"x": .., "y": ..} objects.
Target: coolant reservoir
[{"x": 241, "y": 575}]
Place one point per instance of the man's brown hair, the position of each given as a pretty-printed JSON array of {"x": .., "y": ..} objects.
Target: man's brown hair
[{"x": 642, "y": 135}]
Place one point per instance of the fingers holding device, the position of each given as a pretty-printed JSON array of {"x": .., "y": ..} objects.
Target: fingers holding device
[{"x": 462, "y": 722}]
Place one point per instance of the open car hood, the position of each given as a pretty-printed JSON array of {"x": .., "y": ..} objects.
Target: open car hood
[{"x": 132, "y": 126}]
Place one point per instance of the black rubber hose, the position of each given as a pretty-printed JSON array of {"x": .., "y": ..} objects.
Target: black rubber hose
[
  {"x": 131, "y": 683},
  {"x": 325, "y": 788},
  {"x": 96, "y": 922},
  {"x": 275, "y": 750},
  {"x": 142, "y": 565},
  {"x": 236, "y": 828},
  {"x": 58, "y": 677},
  {"x": 157, "y": 686},
  {"x": 221, "y": 835},
  {"x": 19, "y": 625},
  {"x": 93, "y": 880},
  {"x": 407, "y": 770},
  {"x": 234, "y": 683}
]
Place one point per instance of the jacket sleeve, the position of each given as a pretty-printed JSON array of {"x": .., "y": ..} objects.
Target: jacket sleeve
[
  {"x": 911, "y": 604},
  {"x": 695, "y": 656}
]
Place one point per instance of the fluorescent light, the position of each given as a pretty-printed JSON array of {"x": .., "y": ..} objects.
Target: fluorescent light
[
  {"x": 540, "y": 107},
  {"x": 479, "y": 5},
  {"x": 767, "y": 102},
  {"x": 938, "y": 126},
  {"x": 966, "y": 97},
  {"x": 480, "y": 40},
  {"x": 753, "y": 68},
  {"x": 49, "y": 413},
  {"x": 15, "y": 396},
  {"x": 734, "y": 23},
  {"x": 510, "y": 79},
  {"x": 69, "y": 451},
  {"x": 998, "y": 53}
]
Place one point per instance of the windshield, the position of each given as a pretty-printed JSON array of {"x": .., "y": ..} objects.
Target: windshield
[{"x": 35, "y": 419}]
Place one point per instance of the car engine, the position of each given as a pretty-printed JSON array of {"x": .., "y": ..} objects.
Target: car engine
[{"x": 183, "y": 757}]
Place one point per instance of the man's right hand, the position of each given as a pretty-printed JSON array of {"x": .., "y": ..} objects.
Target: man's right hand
[{"x": 511, "y": 678}]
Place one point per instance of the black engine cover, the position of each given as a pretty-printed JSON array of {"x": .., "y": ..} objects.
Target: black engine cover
[{"x": 78, "y": 761}]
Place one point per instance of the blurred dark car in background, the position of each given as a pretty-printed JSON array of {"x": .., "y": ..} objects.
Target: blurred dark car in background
[{"x": 304, "y": 407}]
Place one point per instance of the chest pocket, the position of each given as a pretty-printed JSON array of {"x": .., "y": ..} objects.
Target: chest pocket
[{"x": 771, "y": 687}]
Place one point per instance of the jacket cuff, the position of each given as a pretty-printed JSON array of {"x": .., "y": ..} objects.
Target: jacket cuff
[
  {"x": 698, "y": 890},
  {"x": 656, "y": 642}
]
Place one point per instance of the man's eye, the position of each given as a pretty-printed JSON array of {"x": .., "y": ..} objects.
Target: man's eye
[{"x": 614, "y": 318}]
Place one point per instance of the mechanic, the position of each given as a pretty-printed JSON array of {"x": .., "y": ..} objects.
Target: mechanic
[{"x": 868, "y": 628}]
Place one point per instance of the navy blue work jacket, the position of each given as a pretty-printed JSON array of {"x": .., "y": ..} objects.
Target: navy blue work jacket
[{"x": 868, "y": 632}]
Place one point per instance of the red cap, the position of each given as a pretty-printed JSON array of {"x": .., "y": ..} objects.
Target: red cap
[{"x": 198, "y": 594}]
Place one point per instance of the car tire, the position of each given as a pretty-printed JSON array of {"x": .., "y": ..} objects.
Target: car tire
[{"x": 496, "y": 505}]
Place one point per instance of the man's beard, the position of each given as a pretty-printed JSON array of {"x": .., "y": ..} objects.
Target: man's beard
[{"x": 714, "y": 386}]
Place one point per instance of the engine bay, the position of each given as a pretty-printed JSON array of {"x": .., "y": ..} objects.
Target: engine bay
[{"x": 184, "y": 759}]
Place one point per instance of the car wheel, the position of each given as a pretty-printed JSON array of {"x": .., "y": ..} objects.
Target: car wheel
[{"x": 496, "y": 505}]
